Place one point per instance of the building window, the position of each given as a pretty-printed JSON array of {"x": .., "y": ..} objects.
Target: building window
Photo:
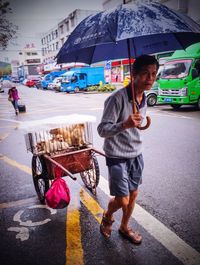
[
  {"x": 67, "y": 26},
  {"x": 62, "y": 41},
  {"x": 61, "y": 29},
  {"x": 72, "y": 22}
]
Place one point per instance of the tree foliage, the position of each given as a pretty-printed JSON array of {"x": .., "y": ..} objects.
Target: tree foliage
[{"x": 7, "y": 28}]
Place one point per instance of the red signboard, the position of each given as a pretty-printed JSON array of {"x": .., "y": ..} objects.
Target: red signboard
[
  {"x": 116, "y": 63},
  {"x": 126, "y": 61}
]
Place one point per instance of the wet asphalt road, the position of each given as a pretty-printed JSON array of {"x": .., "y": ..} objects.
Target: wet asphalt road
[{"x": 169, "y": 193}]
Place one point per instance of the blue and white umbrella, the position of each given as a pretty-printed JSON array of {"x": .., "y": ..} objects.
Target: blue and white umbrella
[
  {"x": 128, "y": 31},
  {"x": 151, "y": 28}
]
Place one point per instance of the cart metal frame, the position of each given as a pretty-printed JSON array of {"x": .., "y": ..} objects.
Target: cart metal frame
[{"x": 81, "y": 161}]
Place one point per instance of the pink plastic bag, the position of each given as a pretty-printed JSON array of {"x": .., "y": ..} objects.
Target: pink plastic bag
[{"x": 58, "y": 196}]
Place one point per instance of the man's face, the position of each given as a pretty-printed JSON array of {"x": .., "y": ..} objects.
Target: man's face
[{"x": 144, "y": 79}]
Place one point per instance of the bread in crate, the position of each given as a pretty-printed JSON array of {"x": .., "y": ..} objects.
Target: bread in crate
[
  {"x": 73, "y": 135},
  {"x": 58, "y": 139}
]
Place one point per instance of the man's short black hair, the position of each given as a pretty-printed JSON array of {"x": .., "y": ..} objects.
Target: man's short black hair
[{"x": 142, "y": 61}]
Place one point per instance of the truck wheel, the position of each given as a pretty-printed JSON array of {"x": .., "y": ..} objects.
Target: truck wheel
[
  {"x": 176, "y": 107},
  {"x": 198, "y": 104},
  {"x": 151, "y": 100},
  {"x": 76, "y": 89}
]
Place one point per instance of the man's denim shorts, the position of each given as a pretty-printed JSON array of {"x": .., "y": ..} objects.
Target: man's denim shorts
[{"x": 125, "y": 175}]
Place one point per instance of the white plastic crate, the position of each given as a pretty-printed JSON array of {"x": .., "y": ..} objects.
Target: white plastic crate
[{"x": 51, "y": 139}]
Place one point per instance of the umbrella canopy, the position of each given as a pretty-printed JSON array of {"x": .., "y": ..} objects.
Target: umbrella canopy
[
  {"x": 150, "y": 28},
  {"x": 128, "y": 31}
]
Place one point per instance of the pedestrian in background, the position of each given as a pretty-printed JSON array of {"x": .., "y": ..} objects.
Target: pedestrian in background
[
  {"x": 13, "y": 97},
  {"x": 123, "y": 146}
]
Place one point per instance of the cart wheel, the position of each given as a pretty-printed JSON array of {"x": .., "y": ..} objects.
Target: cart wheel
[
  {"x": 40, "y": 177},
  {"x": 91, "y": 177}
]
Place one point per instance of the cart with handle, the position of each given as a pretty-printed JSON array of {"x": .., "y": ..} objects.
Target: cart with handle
[{"x": 66, "y": 145}]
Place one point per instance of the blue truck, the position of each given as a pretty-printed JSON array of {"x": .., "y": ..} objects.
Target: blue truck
[
  {"x": 81, "y": 78},
  {"x": 48, "y": 78}
]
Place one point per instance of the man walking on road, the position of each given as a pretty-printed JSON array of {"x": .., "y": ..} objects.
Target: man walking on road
[{"x": 123, "y": 146}]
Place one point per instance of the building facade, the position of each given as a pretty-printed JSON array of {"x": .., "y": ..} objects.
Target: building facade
[
  {"x": 29, "y": 61},
  {"x": 53, "y": 40},
  {"x": 50, "y": 44}
]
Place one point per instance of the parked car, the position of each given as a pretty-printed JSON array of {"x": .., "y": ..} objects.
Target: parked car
[
  {"x": 32, "y": 81},
  {"x": 48, "y": 78},
  {"x": 153, "y": 92},
  {"x": 55, "y": 84},
  {"x": 27, "y": 82},
  {"x": 152, "y": 95}
]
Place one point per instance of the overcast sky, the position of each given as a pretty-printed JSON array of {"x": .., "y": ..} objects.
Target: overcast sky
[{"x": 36, "y": 16}]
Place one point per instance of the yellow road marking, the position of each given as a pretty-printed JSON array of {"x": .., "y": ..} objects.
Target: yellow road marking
[
  {"x": 74, "y": 251},
  {"x": 91, "y": 205},
  {"x": 16, "y": 164},
  {"x": 3, "y": 136}
]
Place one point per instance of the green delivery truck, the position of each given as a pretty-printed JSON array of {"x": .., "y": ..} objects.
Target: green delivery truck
[{"x": 179, "y": 82}]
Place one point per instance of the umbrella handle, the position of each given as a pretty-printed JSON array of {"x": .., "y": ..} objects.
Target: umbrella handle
[
  {"x": 147, "y": 118},
  {"x": 147, "y": 124}
]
